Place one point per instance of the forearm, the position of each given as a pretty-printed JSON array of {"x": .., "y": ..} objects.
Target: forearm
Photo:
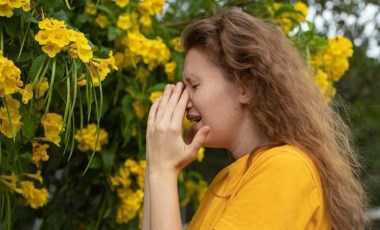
[
  {"x": 146, "y": 207},
  {"x": 165, "y": 211}
]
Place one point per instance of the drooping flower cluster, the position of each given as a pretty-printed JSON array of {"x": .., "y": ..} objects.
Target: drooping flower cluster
[
  {"x": 87, "y": 138},
  {"x": 7, "y": 6},
  {"x": 33, "y": 196},
  {"x": 288, "y": 16},
  {"x": 130, "y": 199},
  {"x": 39, "y": 153},
  {"x": 52, "y": 124},
  {"x": 99, "y": 69},
  {"x": 10, "y": 83},
  {"x": 55, "y": 37},
  {"x": 152, "y": 52},
  {"x": 151, "y": 7},
  {"x": 331, "y": 63}
]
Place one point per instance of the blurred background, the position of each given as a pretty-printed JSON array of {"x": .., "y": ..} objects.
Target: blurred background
[{"x": 73, "y": 155}]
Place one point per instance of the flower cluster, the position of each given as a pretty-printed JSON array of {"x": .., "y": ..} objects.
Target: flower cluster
[
  {"x": 288, "y": 16},
  {"x": 88, "y": 137},
  {"x": 52, "y": 124},
  {"x": 151, "y": 7},
  {"x": 99, "y": 69},
  {"x": 10, "y": 83},
  {"x": 153, "y": 52},
  {"x": 130, "y": 199},
  {"x": 331, "y": 63},
  {"x": 33, "y": 196},
  {"x": 7, "y": 6},
  {"x": 55, "y": 37}
]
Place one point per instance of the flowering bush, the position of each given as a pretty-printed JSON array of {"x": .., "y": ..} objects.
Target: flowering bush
[{"x": 76, "y": 81}]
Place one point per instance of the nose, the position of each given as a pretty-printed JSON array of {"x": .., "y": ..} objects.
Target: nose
[{"x": 189, "y": 104}]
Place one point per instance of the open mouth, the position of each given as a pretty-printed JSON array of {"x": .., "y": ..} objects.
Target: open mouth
[{"x": 194, "y": 118}]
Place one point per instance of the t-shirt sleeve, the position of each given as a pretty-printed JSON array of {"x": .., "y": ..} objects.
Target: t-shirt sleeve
[{"x": 275, "y": 194}]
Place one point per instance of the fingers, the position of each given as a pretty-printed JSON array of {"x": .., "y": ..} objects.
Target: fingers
[
  {"x": 198, "y": 140},
  {"x": 153, "y": 113},
  {"x": 164, "y": 101},
  {"x": 180, "y": 109},
  {"x": 172, "y": 104}
]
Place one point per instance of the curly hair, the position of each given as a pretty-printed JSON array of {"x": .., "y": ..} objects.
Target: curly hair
[{"x": 285, "y": 102}]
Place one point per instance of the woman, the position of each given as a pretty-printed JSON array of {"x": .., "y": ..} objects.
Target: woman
[{"x": 248, "y": 90}]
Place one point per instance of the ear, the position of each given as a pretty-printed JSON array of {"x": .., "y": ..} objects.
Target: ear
[{"x": 244, "y": 95}]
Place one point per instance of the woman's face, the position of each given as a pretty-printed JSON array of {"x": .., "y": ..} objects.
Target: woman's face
[{"x": 214, "y": 101}]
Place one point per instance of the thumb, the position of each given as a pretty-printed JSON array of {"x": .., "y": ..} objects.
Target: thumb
[{"x": 198, "y": 140}]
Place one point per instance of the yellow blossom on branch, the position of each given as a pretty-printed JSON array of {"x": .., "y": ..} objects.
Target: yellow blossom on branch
[
  {"x": 102, "y": 21},
  {"x": 52, "y": 124},
  {"x": 154, "y": 95},
  {"x": 151, "y": 7},
  {"x": 10, "y": 77},
  {"x": 41, "y": 88},
  {"x": 90, "y": 8},
  {"x": 170, "y": 70},
  {"x": 7, "y": 6},
  {"x": 34, "y": 197},
  {"x": 86, "y": 138},
  {"x": 124, "y": 21},
  {"x": 11, "y": 125},
  {"x": 121, "y": 3},
  {"x": 39, "y": 152}
]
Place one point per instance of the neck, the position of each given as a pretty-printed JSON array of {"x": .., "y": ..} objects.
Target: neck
[{"x": 247, "y": 139}]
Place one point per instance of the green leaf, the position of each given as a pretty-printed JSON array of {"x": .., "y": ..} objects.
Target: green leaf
[
  {"x": 36, "y": 66},
  {"x": 11, "y": 26},
  {"x": 30, "y": 125},
  {"x": 114, "y": 33},
  {"x": 108, "y": 158}
]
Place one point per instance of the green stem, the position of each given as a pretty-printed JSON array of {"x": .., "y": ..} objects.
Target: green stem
[
  {"x": 51, "y": 85},
  {"x": 23, "y": 41},
  {"x": 68, "y": 5},
  {"x": 1, "y": 38}
]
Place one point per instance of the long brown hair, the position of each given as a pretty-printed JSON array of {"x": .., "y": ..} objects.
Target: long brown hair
[{"x": 286, "y": 102}]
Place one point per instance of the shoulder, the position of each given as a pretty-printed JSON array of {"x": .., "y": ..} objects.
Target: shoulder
[{"x": 286, "y": 157}]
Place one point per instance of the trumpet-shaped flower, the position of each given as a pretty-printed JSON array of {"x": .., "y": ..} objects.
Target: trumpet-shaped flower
[
  {"x": 87, "y": 138},
  {"x": 52, "y": 124},
  {"x": 34, "y": 197},
  {"x": 40, "y": 153}
]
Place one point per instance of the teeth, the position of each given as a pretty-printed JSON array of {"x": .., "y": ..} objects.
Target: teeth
[{"x": 195, "y": 119}]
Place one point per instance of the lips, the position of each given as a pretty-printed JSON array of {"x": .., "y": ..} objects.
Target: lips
[{"x": 193, "y": 118}]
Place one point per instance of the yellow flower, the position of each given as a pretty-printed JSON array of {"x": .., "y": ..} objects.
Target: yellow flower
[
  {"x": 37, "y": 176},
  {"x": 51, "y": 24},
  {"x": 14, "y": 3},
  {"x": 26, "y": 93},
  {"x": 51, "y": 49},
  {"x": 177, "y": 44},
  {"x": 59, "y": 37},
  {"x": 326, "y": 85},
  {"x": 6, "y": 11},
  {"x": 154, "y": 95},
  {"x": 86, "y": 138},
  {"x": 90, "y": 8},
  {"x": 170, "y": 70},
  {"x": 121, "y": 3},
  {"x": 40, "y": 90},
  {"x": 34, "y": 197},
  {"x": 25, "y": 5},
  {"x": 100, "y": 68},
  {"x": 52, "y": 124},
  {"x": 146, "y": 21},
  {"x": 124, "y": 21},
  {"x": 289, "y": 20},
  {"x": 39, "y": 152},
  {"x": 131, "y": 203},
  {"x": 102, "y": 21},
  {"x": 151, "y": 7},
  {"x": 10, "y": 127},
  {"x": 139, "y": 109},
  {"x": 200, "y": 154},
  {"x": 302, "y": 8},
  {"x": 10, "y": 77}
]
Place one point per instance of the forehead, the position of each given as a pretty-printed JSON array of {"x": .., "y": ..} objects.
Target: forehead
[{"x": 198, "y": 65}]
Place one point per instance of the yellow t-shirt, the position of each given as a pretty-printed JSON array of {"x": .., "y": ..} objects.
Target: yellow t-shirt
[{"x": 280, "y": 190}]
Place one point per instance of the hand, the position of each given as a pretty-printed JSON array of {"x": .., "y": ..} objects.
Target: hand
[{"x": 166, "y": 150}]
